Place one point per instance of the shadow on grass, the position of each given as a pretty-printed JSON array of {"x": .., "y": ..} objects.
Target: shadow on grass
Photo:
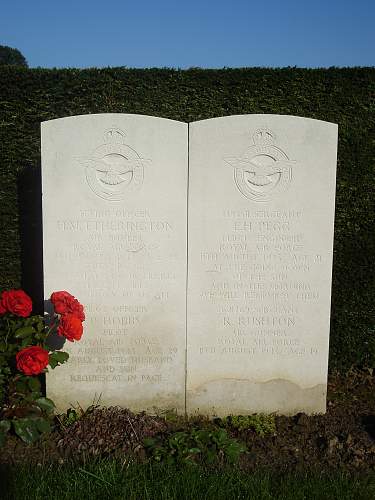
[
  {"x": 7, "y": 482},
  {"x": 127, "y": 480}
]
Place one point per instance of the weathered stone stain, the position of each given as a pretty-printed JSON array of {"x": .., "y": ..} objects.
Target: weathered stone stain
[{"x": 234, "y": 396}]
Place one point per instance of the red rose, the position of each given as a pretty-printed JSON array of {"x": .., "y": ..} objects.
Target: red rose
[
  {"x": 70, "y": 327},
  {"x": 32, "y": 360},
  {"x": 17, "y": 302},
  {"x": 2, "y": 308},
  {"x": 64, "y": 302}
]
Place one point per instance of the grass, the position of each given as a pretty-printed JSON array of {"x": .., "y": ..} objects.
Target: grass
[{"x": 116, "y": 480}]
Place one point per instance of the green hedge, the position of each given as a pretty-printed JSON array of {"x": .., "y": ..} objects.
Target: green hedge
[{"x": 344, "y": 96}]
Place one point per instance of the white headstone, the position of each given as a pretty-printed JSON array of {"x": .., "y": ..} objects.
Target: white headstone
[
  {"x": 254, "y": 336},
  {"x": 114, "y": 223},
  {"x": 261, "y": 216}
]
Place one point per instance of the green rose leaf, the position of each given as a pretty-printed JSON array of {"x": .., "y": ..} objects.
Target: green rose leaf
[
  {"x": 26, "y": 342},
  {"x": 45, "y": 404},
  {"x": 52, "y": 361},
  {"x": 24, "y": 332},
  {"x": 21, "y": 386},
  {"x": 61, "y": 356},
  {"x": 58, "y": 357},
  {"x": 43, "y": 425},
  {"x": 4, "y": 426},
  {"x": 34, "y": 384},
  {"x": 26, "y": 429},
  {"x": 33, "y": 409}
]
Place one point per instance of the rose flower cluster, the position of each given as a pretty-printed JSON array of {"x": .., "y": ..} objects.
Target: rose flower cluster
[
  {"x": 72, "y": 315},
  {"x": 32, "y": 360}
]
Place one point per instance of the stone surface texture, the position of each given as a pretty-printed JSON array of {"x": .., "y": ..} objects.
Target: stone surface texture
[
  {"x": 261, "y": 217},
  {"x": 206, "y": 274},
  {"x": 114, "y": 223}
]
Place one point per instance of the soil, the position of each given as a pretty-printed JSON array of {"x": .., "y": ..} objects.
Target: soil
[{"x": 343, "y": 438}]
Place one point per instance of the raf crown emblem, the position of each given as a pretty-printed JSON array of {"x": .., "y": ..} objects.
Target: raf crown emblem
[
  {"x": 114, "y": 169},
  {"x": 263, "y": 170}
]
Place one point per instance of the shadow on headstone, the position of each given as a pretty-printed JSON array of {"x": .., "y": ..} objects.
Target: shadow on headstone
[
  {"x": 54, "y": 341},
  {"x": 29, "y": 185}
]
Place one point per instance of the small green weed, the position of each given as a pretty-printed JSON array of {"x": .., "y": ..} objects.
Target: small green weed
[
  {"x": 70, "y": 417},
  {"x": 74, "y": 414},
  {"x": 261, "y": 423},
  {"x": 169, "y": 415},
  {"x": 195, "y": 445}
]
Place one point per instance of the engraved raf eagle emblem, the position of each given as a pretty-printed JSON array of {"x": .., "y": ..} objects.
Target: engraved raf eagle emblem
[
  {"x": 263, "y": 170},
  {"x": 114, "y": 169},
  {"x": 261, "y": 175}
]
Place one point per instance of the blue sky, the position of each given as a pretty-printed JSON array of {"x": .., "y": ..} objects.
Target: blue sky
[{"x": 182, "y": 34}]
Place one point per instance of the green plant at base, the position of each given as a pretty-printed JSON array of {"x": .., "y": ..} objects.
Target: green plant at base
[
  {"x": 26, "y": 410},
  {"x": 25, "y": 354},
  {"x": 70, "y": 418},
  {"x": 23, "y": 407},
  {"x": 197, "y": 445},
  {"x": 261, "y": 423},
  {"x": 74, "y": 414}
]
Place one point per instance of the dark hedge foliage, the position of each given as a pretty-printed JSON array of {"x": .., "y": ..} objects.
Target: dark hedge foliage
[
  {"x": 345, "y": 96},
  {"x": 11, "y": 56}
]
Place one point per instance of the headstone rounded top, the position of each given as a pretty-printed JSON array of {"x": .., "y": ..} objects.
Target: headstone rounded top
[
  {"x": 101, "y": 116},
  {"x": 264, "y": 119}
]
